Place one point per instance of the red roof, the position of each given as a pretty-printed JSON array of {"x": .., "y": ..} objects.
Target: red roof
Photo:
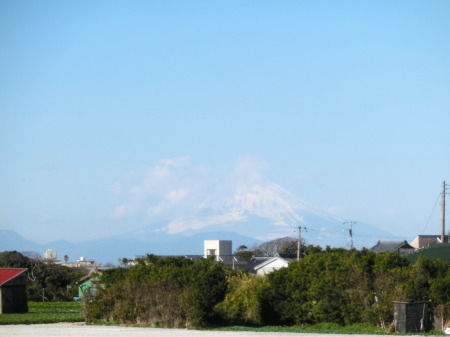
[{"x": 7, "y": 274}]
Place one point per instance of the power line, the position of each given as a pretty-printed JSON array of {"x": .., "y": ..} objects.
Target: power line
[{"x": 431, "y": 214}]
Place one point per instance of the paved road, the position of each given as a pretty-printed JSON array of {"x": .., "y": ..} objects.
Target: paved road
[{"x": 81, "y": 330}]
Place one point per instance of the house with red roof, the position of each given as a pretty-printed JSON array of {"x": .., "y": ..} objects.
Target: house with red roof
[{"x": 13, "y": 294}]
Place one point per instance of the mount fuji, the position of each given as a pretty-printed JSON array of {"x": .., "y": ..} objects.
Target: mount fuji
[
  {"x": 263, "y": 212},
  {"x": 252, "y": 214}
]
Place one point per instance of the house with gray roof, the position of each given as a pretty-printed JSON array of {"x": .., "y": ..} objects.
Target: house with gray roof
[{"x": 392, "y": 246}]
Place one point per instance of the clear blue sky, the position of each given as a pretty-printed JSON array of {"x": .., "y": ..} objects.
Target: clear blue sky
[{"x": 344, "y": 103}]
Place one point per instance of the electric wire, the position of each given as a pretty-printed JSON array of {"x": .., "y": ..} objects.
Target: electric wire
[{"x": 429, "y": 218}]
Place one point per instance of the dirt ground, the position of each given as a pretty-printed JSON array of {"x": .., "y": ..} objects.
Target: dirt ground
[{"x": 81, "y": 330}]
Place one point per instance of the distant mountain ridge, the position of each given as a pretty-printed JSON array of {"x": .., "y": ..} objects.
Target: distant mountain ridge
[
  {"x": 253, "y": 214},
  {"x": 267, "y": 211},
  {"x": 114, "y": 248},
  {"x": 265, "y": 201},
  {"x": 11, "y": 240}
]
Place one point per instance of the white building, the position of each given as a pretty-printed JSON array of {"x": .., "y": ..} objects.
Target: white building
[
  {"x": 271, "y": 264},
  {"x": 82, "y": 262},
  {"x": 221, "y": 250},
  {"x": 50, "y": 254}
]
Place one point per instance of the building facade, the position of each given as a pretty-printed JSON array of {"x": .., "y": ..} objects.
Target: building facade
[
  {"x": 423, "y": 240},
  {"x": 219, "y": 250}
]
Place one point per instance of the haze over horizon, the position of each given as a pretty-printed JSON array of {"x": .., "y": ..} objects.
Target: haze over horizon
[{"x": 114, "y": 115}]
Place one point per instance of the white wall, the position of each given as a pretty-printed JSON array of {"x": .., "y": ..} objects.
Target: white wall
[
  {"x": 222, "y": 249},
  {"x": 270, "y": 267},
  {"x": 50, "y": 254}
]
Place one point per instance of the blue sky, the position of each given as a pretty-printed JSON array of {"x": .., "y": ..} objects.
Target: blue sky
[{"x": 344, "y": 103}]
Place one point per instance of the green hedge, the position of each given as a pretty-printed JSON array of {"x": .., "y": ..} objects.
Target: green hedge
[{"x": 171, "y": 292}]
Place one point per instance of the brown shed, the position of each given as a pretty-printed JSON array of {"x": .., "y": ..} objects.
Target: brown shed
[{"x": 13, "y": 295}]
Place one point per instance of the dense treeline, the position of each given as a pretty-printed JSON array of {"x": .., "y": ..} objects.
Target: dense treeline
[
  {"x": 337, "y": 286},
  {"x": 332, "y": 285},
  {"x": 48, "y": 282},
  {"x": 160, "y": 291}
]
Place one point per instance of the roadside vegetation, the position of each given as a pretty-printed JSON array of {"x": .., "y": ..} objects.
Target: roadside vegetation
[
  {"x": 170, "y": 292},
  {"x": 316, "y": 328},
  {"x": 327, "y": 290},
  {"x": 46, "y": 312},
  {"x": 45, "y": 282},
  {"x": 325, "y": 328},
  {"x": 337, "y": 286},
  {"x": 331, "y": 286}
]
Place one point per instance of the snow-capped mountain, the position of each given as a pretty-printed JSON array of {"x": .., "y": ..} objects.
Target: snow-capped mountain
[
  {"x": 253, "y": 214},
  {"x": 267, "y": 211}
]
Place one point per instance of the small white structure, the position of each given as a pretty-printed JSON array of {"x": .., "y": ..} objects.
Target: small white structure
[
  {"x": 82, "y": 262},
  {"x": 50, "y": 254},
  {"x": 220, "y": 249},
  {"x": 272, "y": 264}
]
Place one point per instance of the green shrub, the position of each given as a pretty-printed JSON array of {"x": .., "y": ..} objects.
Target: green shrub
[
  {"x": 173, "y": 292},
  {"x": 347, "y": 287},
  {"x": 242, "y": 303}
]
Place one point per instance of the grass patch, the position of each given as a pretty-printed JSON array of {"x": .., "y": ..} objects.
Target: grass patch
[
  {"x": 316, "y": 328},
  {"x": 326, "y": 328},
  {"x": 46, "y": 312}
]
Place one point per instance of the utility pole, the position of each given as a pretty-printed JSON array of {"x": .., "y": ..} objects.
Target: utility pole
[
  {"x": 299, "y": 240},
  {"x": 350, "y": 231},
  {"x": 444, "y": 188}
]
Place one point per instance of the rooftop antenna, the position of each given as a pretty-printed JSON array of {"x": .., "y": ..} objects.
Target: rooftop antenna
[{"x": 350, "y": 232}]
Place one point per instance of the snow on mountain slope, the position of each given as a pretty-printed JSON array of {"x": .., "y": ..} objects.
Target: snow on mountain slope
[
  {"x": 254, "y": 213},
  {"x": 273, "y": 202},
  {"x": 266, "y": 211}
]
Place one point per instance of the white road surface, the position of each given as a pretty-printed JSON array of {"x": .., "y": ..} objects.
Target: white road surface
[{"x": 81, "y": 330}]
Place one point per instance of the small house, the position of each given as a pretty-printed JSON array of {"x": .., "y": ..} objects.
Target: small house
[
  {"x": 265, "y": 265},
  {"x": 392, "y": 246},
  {"x": 13, "y": 295},
  {"x": 88, "y": 284}
]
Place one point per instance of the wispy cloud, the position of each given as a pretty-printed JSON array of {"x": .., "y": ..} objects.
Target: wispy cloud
[
  {"x": 157, "y": 190},
  {"x": 248, "y": 171},
  {"x": 175, "y": 185},
  {"x": 178, "y": 226},
  {"x": 176, "y": 196}
]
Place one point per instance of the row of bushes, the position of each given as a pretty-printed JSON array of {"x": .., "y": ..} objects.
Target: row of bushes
[
  {"x": 334, "y": 286},
  {"x": 337, "y": 286},
  {"x": 160, "y": 292}
]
